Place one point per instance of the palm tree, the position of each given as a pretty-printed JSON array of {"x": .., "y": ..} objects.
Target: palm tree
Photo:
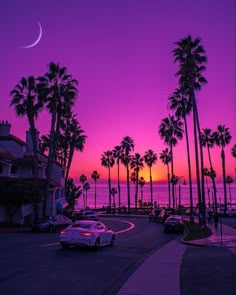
[
  {"x": 75, "y": 138},
  {"x": 27, "y": 103},
  {"x": 83, "y": 179},
  {"x": 207, "y": 140},
  {"x": 59, "y": 91},
  {"x": 86, "y": 187},
  {"x": 141, "y": 183},
  {"x": 136, "y": 164},
  {"x": 222, "y": 138},
  {"x": 229, "y": 180},
  {"x": 165, "y": 157},
  {"x": 117, "y": 153},
  {"x": 72, "y": 193},
  {"x": 170, "y": 130},
  {"x": 127, "y": 145},
  {"x": 206, "y": 174},
  {"x": 190, "y": 55},
  {"x": 233, "y": 153},
  {"x": 182, "y": 105},
  {"x": 95, "y": 176},
  {"x": 150, "y": 158},
  {"x": 107, "y": 160},
  {"x": 113, "y": 193}
]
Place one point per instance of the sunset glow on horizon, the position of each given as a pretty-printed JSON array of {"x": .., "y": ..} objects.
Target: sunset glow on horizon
[{"x": 121, "y": 54}]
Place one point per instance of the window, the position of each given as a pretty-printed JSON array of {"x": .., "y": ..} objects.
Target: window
[{"x": 13, "y": 169}]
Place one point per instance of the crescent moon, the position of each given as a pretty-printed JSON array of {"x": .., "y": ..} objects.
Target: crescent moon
[{"x": 37, "y": 40}]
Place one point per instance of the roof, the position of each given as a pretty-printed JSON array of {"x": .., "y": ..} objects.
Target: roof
[
  {"x": 21, "y": 180},
  {"x": 6, "y": 155},
  {"x": 13, "y": 138}
]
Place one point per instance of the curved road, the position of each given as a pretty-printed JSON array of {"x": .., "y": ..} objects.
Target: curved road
[{"x": 35, "y": 264}]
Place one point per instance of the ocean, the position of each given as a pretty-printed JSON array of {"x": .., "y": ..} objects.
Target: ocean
[{"x": 160, "y": 194}]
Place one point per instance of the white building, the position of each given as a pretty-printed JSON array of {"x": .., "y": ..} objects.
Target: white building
[{"x": 16, "y": 162}]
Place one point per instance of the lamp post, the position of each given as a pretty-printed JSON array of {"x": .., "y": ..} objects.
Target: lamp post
[{"x": 180, "y": 179}]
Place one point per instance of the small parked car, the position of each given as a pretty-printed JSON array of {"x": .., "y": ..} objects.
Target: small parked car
[
  {"x": 87, "y": 233},
  {"x": 153, "y": 215},
  {"x": 52, "y": 223},
  {"x": 164, "y": 214},
  {"x": 174, "y": 223},
  {"x": 89, "y": 215}
]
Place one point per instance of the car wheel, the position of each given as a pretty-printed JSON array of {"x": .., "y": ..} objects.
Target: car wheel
[
  {"x": 97, "y": 243},
  {"x": 51, "y": 229},
  {"x": 65, "y": 246},
  {"x": 112, "y": 240}
]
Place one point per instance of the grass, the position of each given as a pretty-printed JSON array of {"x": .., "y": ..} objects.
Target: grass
[{"x": 196, "y": 232}]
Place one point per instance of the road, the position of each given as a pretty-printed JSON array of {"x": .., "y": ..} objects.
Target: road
[{"x": 34, "y": 263}]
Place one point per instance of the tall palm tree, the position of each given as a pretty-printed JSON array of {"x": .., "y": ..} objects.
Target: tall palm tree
[
  {"x": 180, "y": 102},
  {"x": 26, "y": 100},
  {"x": 136, "y": 164},
  {"x": 207, "y": 140},
  {"x": 117, "y": 154},
  {"x": 107, "y": 160},
  {"x": 165, "y": 157},
  {"x": 95, "y": 176},
  {"x": 127, "y": 145},
  {"x": 222, "y": 138},
  {"x": 141, "y": 183},
  {"x": 113, "y": 193},
  {"x": 59, "y": 91},
  {"x": 150, "y": 158},
  {"x": 86, "y": 187},
  {"x": 75, "y": 138},
  {"x": 229, "y": 180},
  {"x": 83, "y": 179},
  {"x": 190, "y": 55},
  {"x": 233, "y": 153},
  {"x": 171, "y": 130},
  {"x": 206, "y": 174}
]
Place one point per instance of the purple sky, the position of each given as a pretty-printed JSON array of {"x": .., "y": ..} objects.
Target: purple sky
[{"x": 120, "y": 52}]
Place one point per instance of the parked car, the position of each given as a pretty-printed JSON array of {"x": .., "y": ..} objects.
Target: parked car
[
  {"x": 87, "y": 233},
  {"x": 231, "y": 212},
  {"x": 76, "y": 215},
  {"x": 89, "y": 215},
  {"x": 174, "y": 223},
  {"x": 153, "y": 215},
  {"x": 164, "y": 214},
  {"x": 52, "y": 223}
]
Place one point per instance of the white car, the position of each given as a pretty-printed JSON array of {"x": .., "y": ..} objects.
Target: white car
[{"x": 87, "y": 233}]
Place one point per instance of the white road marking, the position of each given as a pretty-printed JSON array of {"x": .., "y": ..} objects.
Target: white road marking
[{"x": 117, "y": 232}]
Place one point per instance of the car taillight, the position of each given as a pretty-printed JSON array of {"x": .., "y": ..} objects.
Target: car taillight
[
  {"x": 63, "y": 232},
  {"x": 87, "y": 234}
]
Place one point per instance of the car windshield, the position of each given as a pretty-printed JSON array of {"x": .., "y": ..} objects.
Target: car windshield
[{"x": 82, "y": 225}]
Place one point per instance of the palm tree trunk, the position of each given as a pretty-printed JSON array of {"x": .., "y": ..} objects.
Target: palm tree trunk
[
  {"x": 168, "y": 176},
  {"x": 189, "y": 171},
  {"x": 172, "y": 176},
  {"x": 118, "y": 165},
  {"x": 109, "y": 187},
  {"x": 224, "y": 179},
  {"x": 136, "y": 190},
  {"x": 213, "y": 180},
  {"x": 150, "y": 173},
  {"x": 128, "y": 188},
  {"x": 95, "y": 196}
]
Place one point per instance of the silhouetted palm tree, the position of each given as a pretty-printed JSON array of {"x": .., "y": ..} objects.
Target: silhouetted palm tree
[
  {"x": 229, "y": 180},
  {"x": 117, "y": 154},
  {"x": 170, "y": 130},
  {"x": 136, "y": 164},
  {"x": 86, "y": 187},
  {"x": 95, "y": 176},
  {"x": 150, "y": 158},
  {"x": 141, "y": 183},
  {"x": 127, "y": 145},
  {"x": 83, "y": 179},
  {"x": 233, "y": 153},
  {"x": 59, "y": 92},
  {"x": 27, "y": 103},
  {"x": 107, "y": 160},
  {"x": 222, "y": 138},
  {"x": 165, "y": 157},
  {"x": 181, "y": 103},
  {"x": 113, "y": 193},
  {"x": 207, "y": 140},
  {"x": 190, "y": 55}
]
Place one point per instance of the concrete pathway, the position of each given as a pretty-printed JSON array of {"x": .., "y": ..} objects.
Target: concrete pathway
[{"x": 153, "y": 277}]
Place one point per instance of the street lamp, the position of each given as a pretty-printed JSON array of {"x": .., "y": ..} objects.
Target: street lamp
[{"x": 181, "y": 180}]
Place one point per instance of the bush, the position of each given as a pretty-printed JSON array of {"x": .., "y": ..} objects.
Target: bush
[{"x": 195, "y": 231}]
